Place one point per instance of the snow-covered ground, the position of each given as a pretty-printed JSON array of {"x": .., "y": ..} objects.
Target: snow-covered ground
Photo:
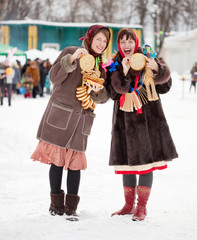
[{"x": 24, "y": 184}]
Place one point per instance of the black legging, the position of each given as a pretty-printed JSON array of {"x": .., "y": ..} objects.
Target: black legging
[
  {"x": 35, "y": 91},
  {"x": 55, "y": 178},
  {"x": 6, "y": 87},
  {"x": 130, "y": 180},
  {"x": 193, "y": 83}
]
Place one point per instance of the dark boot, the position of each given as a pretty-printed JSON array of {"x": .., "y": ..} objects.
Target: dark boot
[
  {"x": 129, "y": 207},
  {"x": 57, "y": 204},
  {"x": 143, "y": 193},
  {"x": 71, "y": 204}
]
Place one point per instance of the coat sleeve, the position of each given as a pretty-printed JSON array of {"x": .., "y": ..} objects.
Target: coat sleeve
[
  {"x": 163, "y": 75},
  {"x": 101, "y": 97},
  {"x": 28, "y": 70},
  {"x": 163, "y": 79},
  {"x": 38, "y": 75},
  {"x": 165, "y": 87},
  {"x": 18, "y": 75},
  {"x": 192, "y": 71},
  {"x": 62, "y": 67},
  {"x": 109, "y": 88},
  {"x": 120, "y": 82}
]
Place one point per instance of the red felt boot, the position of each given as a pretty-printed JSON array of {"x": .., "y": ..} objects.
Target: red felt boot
[
  {"x": 143, "y": 193},
  {"x": 129, "y": 207}
]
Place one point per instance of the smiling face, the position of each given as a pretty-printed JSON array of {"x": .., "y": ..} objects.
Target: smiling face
[
  {"x": 127, "y": 46},
  {"x": 99, "y": 43}
]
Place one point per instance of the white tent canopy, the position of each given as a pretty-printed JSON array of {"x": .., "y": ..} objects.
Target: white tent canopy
[{"x": 180, "y": 51}]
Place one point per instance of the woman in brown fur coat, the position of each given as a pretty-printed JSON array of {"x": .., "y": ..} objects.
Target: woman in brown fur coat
[
  {"x": 141, "y": 141},
  {"x": 33, "y": 71}
]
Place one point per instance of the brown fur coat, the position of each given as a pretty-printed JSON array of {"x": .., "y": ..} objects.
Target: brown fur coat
[
  {"x": 33, "y": 71},
  {"x": 139, "y": 139}
]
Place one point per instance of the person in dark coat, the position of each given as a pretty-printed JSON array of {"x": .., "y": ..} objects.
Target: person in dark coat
[
  {"x": 23, "y": 69},
  {"x": 9, "y": 71},
  {"x": 2, "y": 82},
  {"x": 48, "y": 64},
  {"x": 17, "y": 77},
  {"x": 141, "y": 140},
  {"x": 43, "y": 74},
  {"x": 65, "y": 126},
  {"x": 193, "y": 77}
]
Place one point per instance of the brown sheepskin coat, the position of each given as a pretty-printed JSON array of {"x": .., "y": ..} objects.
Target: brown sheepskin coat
[
  {"x": 139, "y": 139},
  {"x": 65, "y": 123}
]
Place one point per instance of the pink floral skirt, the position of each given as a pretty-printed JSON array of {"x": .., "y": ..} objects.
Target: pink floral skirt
[{"x": 61, "y": 157}]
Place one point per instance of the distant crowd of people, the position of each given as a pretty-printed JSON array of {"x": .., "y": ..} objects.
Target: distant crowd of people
[{"x": 29, "y": 79}]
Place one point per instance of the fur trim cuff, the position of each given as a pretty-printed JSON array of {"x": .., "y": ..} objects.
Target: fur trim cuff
[
  {"x": 120, "y": 83},
  {"x": 101, "y": 97},
  {"x": 65, "y": 64},
  {"x": 163, "y": 74}
]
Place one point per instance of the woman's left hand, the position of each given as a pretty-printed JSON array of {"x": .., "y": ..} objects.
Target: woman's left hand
[
  {"x": 152, "y": 64},
  {"x": 94, "y": 87}
]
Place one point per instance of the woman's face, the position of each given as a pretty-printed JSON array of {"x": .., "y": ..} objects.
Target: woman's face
[
  {"x": 99, "y": 43},
  {"x": 127, "y": 46}
]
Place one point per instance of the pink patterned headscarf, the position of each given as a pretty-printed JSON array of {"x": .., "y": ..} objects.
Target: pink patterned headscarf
[{"x": 92, "y": 31}]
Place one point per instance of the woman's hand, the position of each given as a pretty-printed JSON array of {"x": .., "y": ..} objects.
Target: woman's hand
[
  {"x": 125, "y": 65},
  {"x": 94, "y": 87},
  {"x": 77, "y": 54},
  {"x": 152, "y": 64}
]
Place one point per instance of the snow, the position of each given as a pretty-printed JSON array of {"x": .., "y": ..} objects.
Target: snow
[
  {"x": 24, "y": 184},
  {"x": 49, "y": 53}
]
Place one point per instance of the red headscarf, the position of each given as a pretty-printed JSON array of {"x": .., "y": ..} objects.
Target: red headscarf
[
  {"x": 92, "y": 31},
  {"x": 130, "y": 33}
]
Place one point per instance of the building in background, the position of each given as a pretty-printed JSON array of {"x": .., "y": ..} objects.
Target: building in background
[
  {"x": 180, "y": 51},
  {"x": 30, "y": 34}
]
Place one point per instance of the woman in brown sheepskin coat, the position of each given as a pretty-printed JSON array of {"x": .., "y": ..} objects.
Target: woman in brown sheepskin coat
[
  {"x": 65, "y": 126},
  {"x": 141, "y": 141}
]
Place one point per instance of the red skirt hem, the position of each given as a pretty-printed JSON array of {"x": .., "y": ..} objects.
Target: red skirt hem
[{"x": 141, "y": 172}]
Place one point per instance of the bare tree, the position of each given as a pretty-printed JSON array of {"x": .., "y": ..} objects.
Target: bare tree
[
  {"x": 37, "y": 11},
  {"x": 23, "y": 9},
  {"x": 17, "y": 10},
  {"x": 168, "y": 17},
  {"x": 189, "y": 13},
  {"x": 141, "y": 7},
  {"x": 165, "y": 18},
  {"x": 10, "y": 10},
  {"x": 2, "y": 7},
  {"x": 74, "y": 7},
  {"x": 48, "y": 5},
  {"x": 102, "y": 10}
]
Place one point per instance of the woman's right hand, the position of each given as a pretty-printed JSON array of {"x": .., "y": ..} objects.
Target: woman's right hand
[
  {"x": 125, "y": 65},
  {"x": 77, "y": 54}
]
